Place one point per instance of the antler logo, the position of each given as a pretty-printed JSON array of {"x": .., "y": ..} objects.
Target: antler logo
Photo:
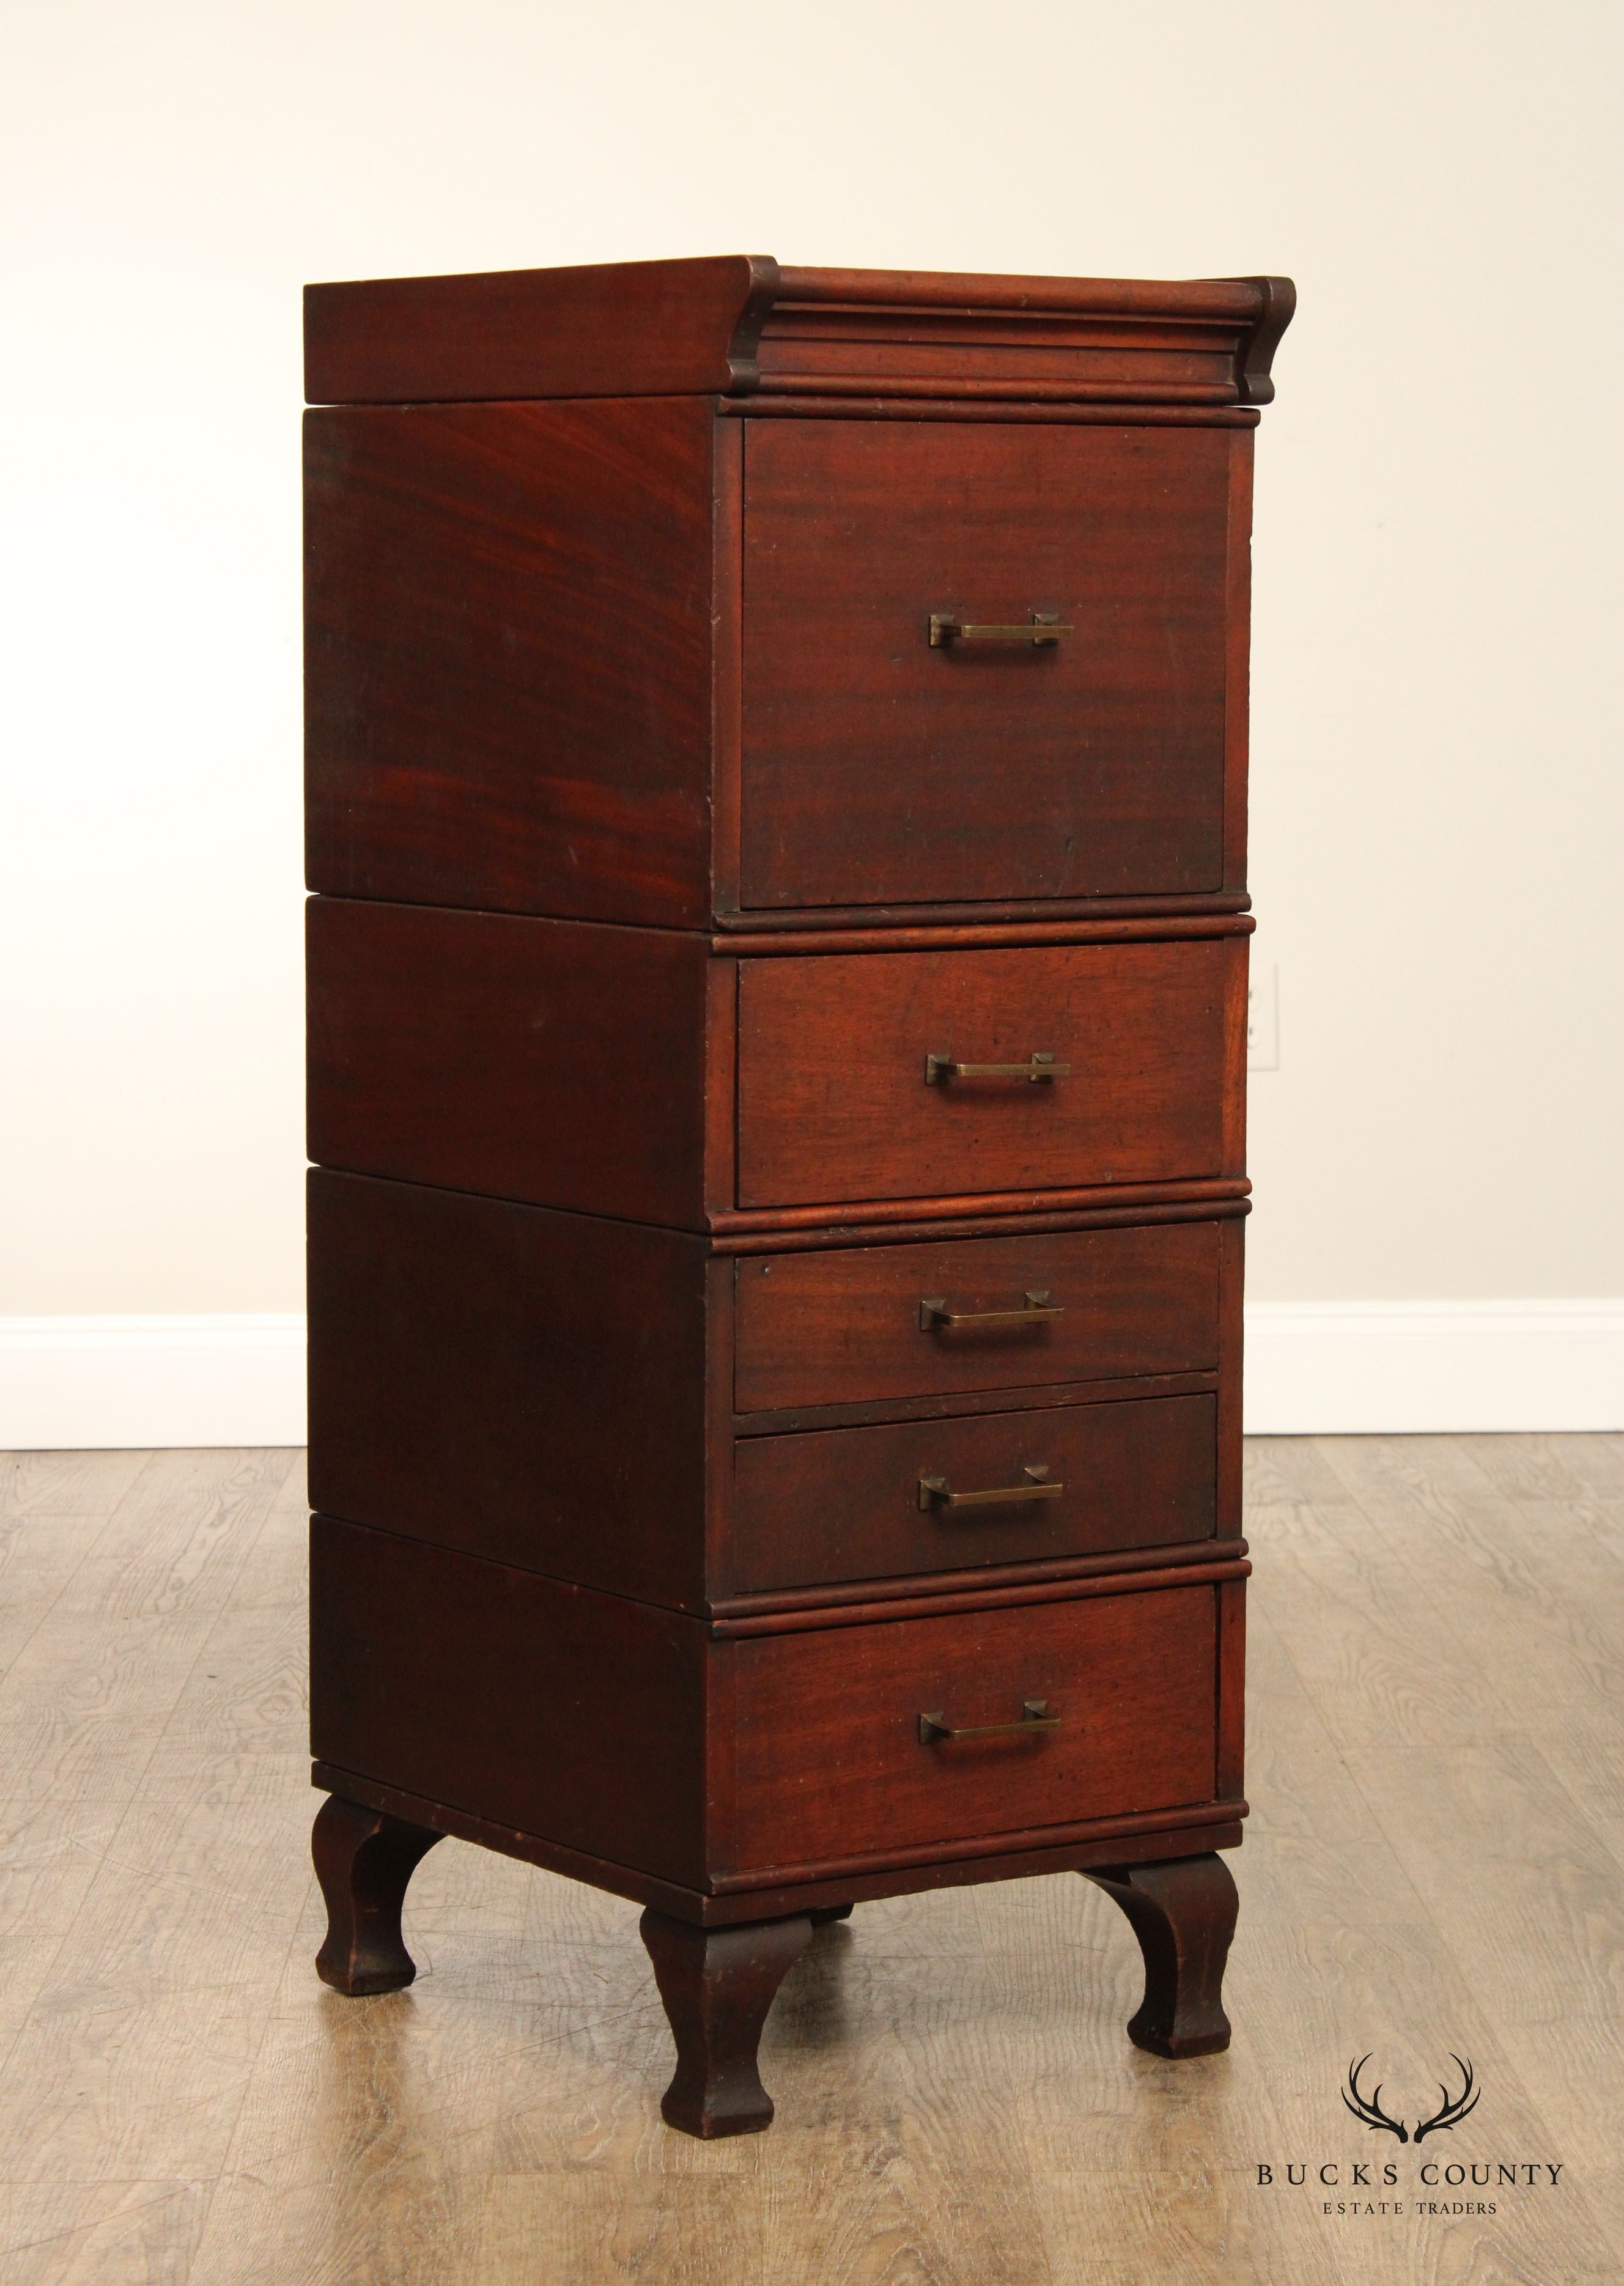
[
  {"x": 1369, "y": 2109},
  {"x": 1454, "y": 2108}
]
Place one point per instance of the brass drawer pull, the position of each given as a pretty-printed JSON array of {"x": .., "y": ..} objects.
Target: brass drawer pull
[
  {"x": 935, "y": 1492},
  {"x": 934, "y": 1311},
  {"x": 1040, "y": 1064},
  {"x": 1035, "y": 1715},
  {"x": 1041, "y": 630}
]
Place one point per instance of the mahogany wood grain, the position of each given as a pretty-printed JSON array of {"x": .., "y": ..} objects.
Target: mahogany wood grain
[
  {"x": 882, "y": 1222},
  {"x": 1048, "y": 410},
  {"x": 1206, "y": 1563},
  {"x": 996, "y": 358},
  {"x": 842, "y": 1325},
  {"x": 1217, "y": 916},
  {"x": 1029, "y": 337},
  {"x": 1232, "y": 1690},
  {"x": 558, "y": 1061},
  {"x": 830, "y": 1762},
  {"x": 1279, "y": 307},
  {"x": 717, "y": 1986},
  {"x": 1232, "y": 1337},
  {"x": 601, "y": 330},
  {"x": 764, "y": 928},
  {"x": 1214, "y": 300},
  {"x": 551, "y": 1709},
  {"x": 518, "y": 1383},
  {"x": 727, "y": 639},
  {"x": 1207, "y": 1559},
  {"x": 790, "y": 1421},
  {"x": 838, "y": 1876},
  {"x": 1237, "y": 675},
  {"x": 844, "y": 1504},
  {"x": 655, "y": 850},
  {"x": 1183, "y": 1913},
  {"x": 364, "y": 1860},
  {"x": 582, "y": 1718},
  {"x": 1107, "y": 1842},
  {"x": 833, "y": 1102},
  {"x": 508, "y": 657},
  {"x": 740, "y": 322},
  {"x": 876, "y": 768}
]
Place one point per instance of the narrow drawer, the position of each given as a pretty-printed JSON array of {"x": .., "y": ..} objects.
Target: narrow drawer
[
  {"x": 851, "y": 1081},
  {"x": 872, "y": 1322},
  {"x": 879, "y": 767},
  {"x": 875, "y": 1503},
  {"x": 831, "y": 1759}
]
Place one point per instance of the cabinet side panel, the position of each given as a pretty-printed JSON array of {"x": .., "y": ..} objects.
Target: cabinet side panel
[
  {"x": 522, "y": 1384},
  {"x": 1231, "y": 1769},
  {"x": 1232, "y": 1334},
  {"x": 1237, "y": 672},
  {"x": 557, "y": 1062},
  {"x": 552, "y": 1709},
  {"x": 508, "y": 640}
]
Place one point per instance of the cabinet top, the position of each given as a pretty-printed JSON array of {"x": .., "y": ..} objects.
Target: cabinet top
[{"x": 741, "y": 325}]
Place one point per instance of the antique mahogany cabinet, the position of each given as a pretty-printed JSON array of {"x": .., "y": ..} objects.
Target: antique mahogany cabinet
[{"x": 777, "y": 987}]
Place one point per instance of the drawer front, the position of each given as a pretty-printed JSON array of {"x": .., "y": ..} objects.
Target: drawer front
[
  {"x": 835, "y": 1102},
  {"x": 863, "y": 1323},
  {"x": 875, "y": 1503},
  {"x": 830, "y": 1758},
  {"x": 881, "y": 768}
]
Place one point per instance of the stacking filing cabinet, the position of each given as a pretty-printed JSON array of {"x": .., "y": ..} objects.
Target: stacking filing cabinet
[{"x": 778, "y": 974}]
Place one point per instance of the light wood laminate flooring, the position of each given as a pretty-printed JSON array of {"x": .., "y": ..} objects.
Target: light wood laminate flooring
[{"x": 1434, "y": 1867}]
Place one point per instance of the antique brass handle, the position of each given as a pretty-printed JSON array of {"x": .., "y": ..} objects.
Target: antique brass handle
[
  {"x": 935, "y": 1492},
  {"x": 934, "y": 1311},
  {"x": 1042, "y": 630},
  {"x": 1040, "y": 1064},
  {"x": 1035, "y": 1715}
]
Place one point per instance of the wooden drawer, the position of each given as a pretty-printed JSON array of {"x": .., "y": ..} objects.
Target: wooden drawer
[
  {"x": 848, "y": 1503},
  {"x": 834, "y": 1102},
  {"x": 830, "y": 1758},
  {"x": 879, "y": 770},
  {"x": 852, "y": 1325}
]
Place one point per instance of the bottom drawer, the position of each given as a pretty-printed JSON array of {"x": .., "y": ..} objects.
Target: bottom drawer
[{"x": 833, "y": 1760}]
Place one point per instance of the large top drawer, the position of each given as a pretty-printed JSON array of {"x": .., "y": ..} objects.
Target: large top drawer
[{"x": 879, "y": 767}]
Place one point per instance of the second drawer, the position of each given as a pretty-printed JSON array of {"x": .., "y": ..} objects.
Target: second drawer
[
  {"x": 875, "y": 1503},
  {"x": 960, "y": 1072}
]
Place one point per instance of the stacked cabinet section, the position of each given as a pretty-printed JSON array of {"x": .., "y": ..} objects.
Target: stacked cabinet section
[{"x": 777, "y": 976}]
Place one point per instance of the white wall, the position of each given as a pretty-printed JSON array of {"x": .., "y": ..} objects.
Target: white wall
[{"x": 1437, "y": 809}]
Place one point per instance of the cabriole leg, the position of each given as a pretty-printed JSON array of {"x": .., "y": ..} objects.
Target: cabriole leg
[
  {"x": 718, "y": 1985},
  {"x": 364, "y": 1860},
  {"x": 1183, "y": 1913}
]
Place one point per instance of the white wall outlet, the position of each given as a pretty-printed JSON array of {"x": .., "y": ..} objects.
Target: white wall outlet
[{"x": 1263, "y": 1019}]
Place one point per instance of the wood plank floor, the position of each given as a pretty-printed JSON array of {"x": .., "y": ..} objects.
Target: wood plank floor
[{"x": 1435, "y": 1867}]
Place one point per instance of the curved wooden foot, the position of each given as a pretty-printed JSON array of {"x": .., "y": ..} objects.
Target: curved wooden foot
[
  {"x": 1183, "y": 1913},
  {"x": 822, "y": 1915},
  {"x": 718, "y": 1985},
  {"x": 364, "y": 1860}
]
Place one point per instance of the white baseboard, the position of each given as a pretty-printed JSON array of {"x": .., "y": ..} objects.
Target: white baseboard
[
  {"x": 79, "y": 1382},
  {"x": 1325, "y": 1369},
  {"x": 1365, "y": 1369}
]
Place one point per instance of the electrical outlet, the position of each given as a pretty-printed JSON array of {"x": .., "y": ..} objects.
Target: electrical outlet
[{"x": 1263, "y": 1019}]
